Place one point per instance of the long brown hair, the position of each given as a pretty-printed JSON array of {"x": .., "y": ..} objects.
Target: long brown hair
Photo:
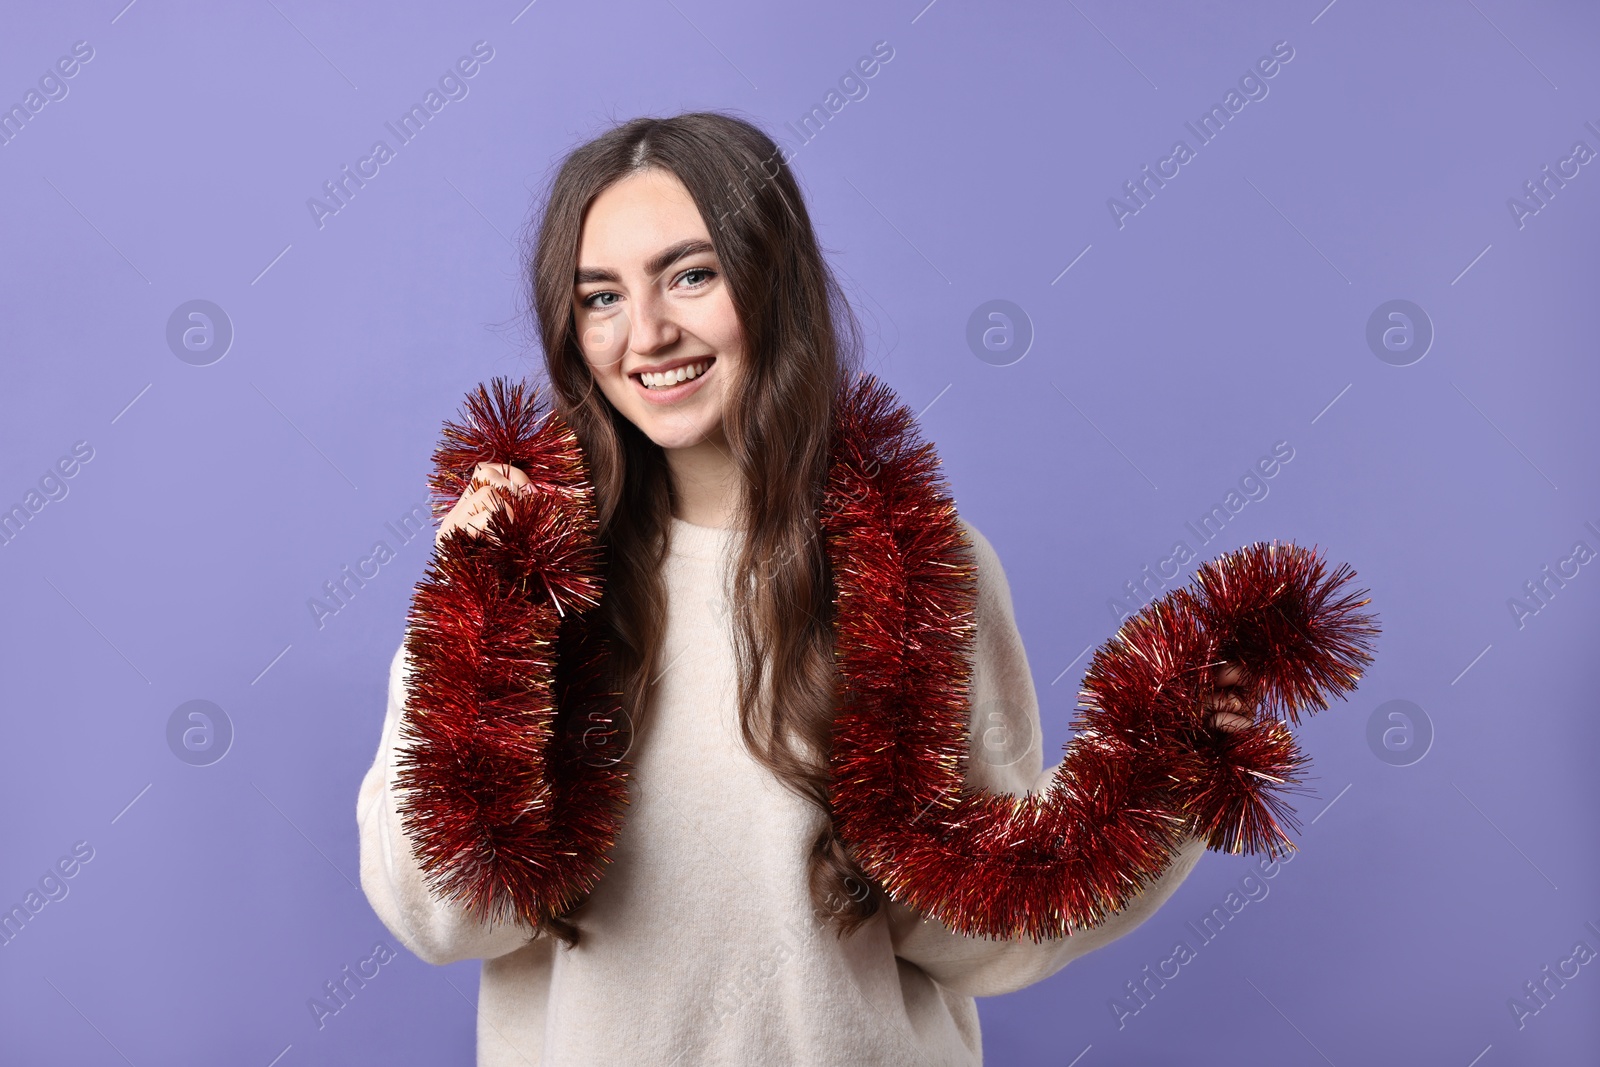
[{"x": 801, "y": 342}]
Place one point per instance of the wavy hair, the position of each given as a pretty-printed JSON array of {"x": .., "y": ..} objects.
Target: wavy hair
[{"x": 802, "y": 342}]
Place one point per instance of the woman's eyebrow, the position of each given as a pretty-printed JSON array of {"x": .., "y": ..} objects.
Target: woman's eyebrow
[{"x": 658, "y": 263}]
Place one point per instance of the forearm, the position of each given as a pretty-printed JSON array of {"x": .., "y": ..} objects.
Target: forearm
[{"x": 981, "y": 967}]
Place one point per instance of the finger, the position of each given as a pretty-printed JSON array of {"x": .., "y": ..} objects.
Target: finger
[
  {"x": 489, "y": 497},
  {"x": 484, "y": 504},
  {"x": 1225, "y": 700},
  {"x": 496, "y": 474},
  {"x": 506, "y": 474},
  {"x": 493, "y": 498},
  {"x": 1229, "y": 723},
  {"x": 516, "y": 484},
  {"x": 466, "y": 509},
  {"x": 491, "y": 474},
  {"x": 478, "y": 521},
  {"x": 1228, "y": 675}
]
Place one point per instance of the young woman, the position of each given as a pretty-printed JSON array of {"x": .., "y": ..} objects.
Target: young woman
[{"x": 696, "y": 342}]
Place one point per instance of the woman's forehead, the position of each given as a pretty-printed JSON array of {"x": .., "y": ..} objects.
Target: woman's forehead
[{"x": 635, "y": 218}]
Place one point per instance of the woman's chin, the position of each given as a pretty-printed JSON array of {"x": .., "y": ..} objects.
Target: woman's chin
[{"x": 673, "y": 432}]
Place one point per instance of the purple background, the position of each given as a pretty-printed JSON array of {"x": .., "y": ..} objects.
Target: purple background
[{"x": 1227, "y": 315}]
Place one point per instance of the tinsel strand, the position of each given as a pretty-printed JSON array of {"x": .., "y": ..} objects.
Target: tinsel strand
[
  {"x": 1144, "y": 768},
  {"x": 508, "y": 798}
]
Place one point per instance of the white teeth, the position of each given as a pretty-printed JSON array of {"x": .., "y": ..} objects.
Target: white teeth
[{"x": 674, "y": 376}]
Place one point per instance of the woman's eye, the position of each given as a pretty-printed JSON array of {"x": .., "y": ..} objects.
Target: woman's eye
[
  {"x": 598, "y": 300},
  {"x": 696, "y": 276}
]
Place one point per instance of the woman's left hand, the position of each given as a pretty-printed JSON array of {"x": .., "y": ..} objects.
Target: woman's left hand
[{"x": 1231, "y": 702}]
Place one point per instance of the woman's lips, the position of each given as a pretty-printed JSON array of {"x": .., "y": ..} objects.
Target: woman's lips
[{"x": 673, "y": 393}]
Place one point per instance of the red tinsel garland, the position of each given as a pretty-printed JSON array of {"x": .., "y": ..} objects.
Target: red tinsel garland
[
  {"x": 512, "y": 814},
  {"x": 1143, "y": 769},
  {"x": 511, "y": 800}
]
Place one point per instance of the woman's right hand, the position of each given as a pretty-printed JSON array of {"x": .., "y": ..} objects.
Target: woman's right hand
[{"x": 471, "y": 513}]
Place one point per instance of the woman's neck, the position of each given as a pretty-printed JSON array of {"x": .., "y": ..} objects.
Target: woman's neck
[{"x": 705, "y": 483}]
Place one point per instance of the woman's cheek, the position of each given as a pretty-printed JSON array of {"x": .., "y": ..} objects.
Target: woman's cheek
[
  {"x": 603, "y": 340},
  {"x": 724, "y": 327}
]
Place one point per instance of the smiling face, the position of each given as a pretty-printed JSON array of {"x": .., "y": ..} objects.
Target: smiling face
[{"x": 653, "y": 314}]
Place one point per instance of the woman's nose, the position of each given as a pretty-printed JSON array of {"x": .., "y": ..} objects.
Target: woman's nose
[{"x": 651, "y": 327}]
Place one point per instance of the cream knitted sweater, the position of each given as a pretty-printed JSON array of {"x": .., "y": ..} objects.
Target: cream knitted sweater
[{"x": 699, "y": 944}]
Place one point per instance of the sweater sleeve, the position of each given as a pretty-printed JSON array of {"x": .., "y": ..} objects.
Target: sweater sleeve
[
  {"x": 1007, "y": 756},
  {"x": 437, "y": 931}
]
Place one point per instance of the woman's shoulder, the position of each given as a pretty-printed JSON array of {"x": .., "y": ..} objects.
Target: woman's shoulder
[
  {"x": 979, "y": 542},
  {"x": 982, "y": 552}
]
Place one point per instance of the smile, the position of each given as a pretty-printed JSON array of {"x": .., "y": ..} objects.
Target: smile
[{"x": 675, "y": 383}]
